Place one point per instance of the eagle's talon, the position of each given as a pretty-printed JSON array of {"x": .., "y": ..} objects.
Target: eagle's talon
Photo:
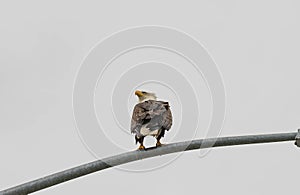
[
  {"x": 141, "y": 147},
  {"x": 158, "y": 144}
]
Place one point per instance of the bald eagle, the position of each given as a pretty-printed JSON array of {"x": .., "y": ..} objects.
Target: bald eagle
[{"x": 150, "y": 117}]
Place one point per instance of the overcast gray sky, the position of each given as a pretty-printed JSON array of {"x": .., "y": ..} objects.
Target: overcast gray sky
[{"x": 254, "y": 43}]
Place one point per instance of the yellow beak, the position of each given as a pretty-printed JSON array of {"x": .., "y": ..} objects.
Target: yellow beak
[{"x": 138, "y": 93}]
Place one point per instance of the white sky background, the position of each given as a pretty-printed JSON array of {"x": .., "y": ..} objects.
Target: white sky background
[{"x": 254, "y": 43}]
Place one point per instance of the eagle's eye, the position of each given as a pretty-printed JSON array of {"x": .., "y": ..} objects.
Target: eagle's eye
[{"x": 143, "y": 92}]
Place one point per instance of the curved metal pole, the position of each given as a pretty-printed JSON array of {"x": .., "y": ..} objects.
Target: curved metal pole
[{"x": 105, "y": 163}]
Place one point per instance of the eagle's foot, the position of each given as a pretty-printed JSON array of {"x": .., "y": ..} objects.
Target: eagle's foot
[
  {"x": 141, "y": 147},
  {"x": 158, "y": 144}
]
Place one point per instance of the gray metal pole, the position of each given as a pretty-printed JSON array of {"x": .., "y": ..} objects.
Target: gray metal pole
[{"x": 98, "y": 165}]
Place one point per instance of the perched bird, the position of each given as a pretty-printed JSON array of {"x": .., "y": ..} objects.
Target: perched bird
[{"x": 150, "y": 117}]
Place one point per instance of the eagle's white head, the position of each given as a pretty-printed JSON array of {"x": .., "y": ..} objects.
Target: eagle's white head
[{"x": 144, "y": 96}]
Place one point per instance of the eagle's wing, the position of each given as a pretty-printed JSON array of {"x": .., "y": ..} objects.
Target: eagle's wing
[
  {"x": 167, "y": 117},
  {"x": 137, "y": 118},
  {"x": 154, "y": 114}
]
